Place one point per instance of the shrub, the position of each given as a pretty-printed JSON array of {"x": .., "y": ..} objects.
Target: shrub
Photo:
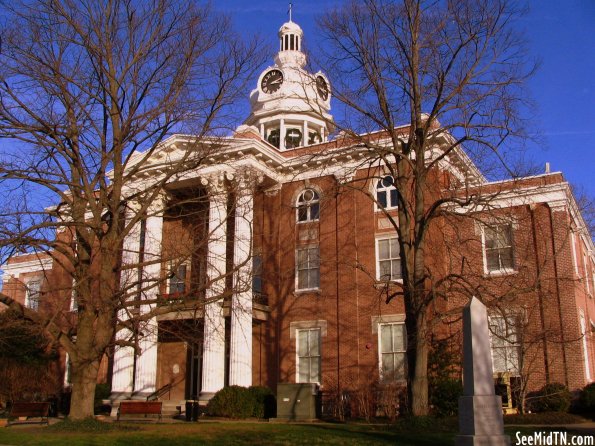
[
  {"x": 544, "y": 418},
  {"x": 444, "y": 375},
  {"x": 444, "y": 396},
  {"x": 554, "y": 397},
  {"x": 265, "y": 403},
  {"x": 392, "y": 400},
  {"x": 587, "y": 398},
  {"x": 232, "y": 402}
]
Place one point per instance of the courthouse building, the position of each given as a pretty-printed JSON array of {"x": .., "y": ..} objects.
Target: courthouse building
[{"x": 278, "y": 254}]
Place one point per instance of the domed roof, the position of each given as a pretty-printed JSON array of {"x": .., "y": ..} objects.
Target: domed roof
[
  {"x": 290, "y": 27},
  {"x": 288, "y": 98}
]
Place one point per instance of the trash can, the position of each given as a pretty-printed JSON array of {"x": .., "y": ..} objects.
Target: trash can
[
  {"x": 53, "y": 410},
  {"x": 191, "y": 410}
]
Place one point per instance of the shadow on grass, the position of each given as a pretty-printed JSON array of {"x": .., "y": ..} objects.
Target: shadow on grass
[{"x": 388, "y": 434}]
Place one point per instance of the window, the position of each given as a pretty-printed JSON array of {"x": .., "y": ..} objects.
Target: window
[
  {"x": 67, "y": 371},
  {"x": 256, "y": 274},
  {"x": 177, "y": 280},
  {"x": 585, "y": 263},
  {"x": 308, "y": 355},
  {"x": 293, "y": 138},
  {"x": 498, "y": 247},
  {"x": 308, "y": 206},
  {"x": 393, "y": 349},
  {"x": 387, "y": 196},
  {"x": 308, "y": 268},
  {"x": 314, "y": 137},
  {"x": 504, "y": 334},
  {"x": 585, "y": 346},
  {"x": 32, "y": 294},
  {"x": 74, "y": 305},
  {"x": 274, "y": 137},
  {"x": 389, "y": 261}
]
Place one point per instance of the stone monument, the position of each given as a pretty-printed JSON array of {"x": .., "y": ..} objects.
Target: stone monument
[{"x": 480, "y": 409}]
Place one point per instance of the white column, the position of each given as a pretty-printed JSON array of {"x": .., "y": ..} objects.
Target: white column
[
  {"x": 240, "y": 364},
  {"x": 213, "y": 363},
  {"x": 123, "y": 365},
  {"x": 305, "y": 132},
  {"x": 146, "y": 363},
  {"x": 123, "y": 370},
  {"x": 282, "y": 134}
]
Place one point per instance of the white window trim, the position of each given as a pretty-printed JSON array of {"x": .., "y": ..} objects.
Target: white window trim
[
  {"x": 379, "y": 336},
  {"x": 375, "y": 188},
  {"x": 377, "y": 254},
  {"x": 297, "y": 356},
  {"x": 305, "y": 290},
  {"x": 501, "y": 271}
]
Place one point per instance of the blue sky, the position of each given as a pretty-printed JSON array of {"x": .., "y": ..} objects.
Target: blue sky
[{"x": 561, "y": 34}]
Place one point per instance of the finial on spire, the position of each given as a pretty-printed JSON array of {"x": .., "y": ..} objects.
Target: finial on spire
[{"x": 290, "y": 10}]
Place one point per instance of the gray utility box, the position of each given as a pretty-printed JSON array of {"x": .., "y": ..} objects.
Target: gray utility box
[{"x": 297, "y": 402}]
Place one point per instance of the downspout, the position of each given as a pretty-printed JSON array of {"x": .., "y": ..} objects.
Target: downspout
[
  {"x": 557, "y": 280},
  {"x": 540, "y": 297},
  {"x": 355, "y": 210},
  {"x": 337, "y": 286},
  {"x": 278, "y": 300},
  {"x": 261, "y": 340}
]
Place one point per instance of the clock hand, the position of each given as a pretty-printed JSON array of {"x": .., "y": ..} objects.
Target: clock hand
[{"x": 277, "y": 81}]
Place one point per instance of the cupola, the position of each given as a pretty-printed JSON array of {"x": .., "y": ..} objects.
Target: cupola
[
  {"x": 290, "y": 106},
  {"x": 290, "y": 45}
]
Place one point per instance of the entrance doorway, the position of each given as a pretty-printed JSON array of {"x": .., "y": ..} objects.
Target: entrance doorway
[
  {"x": 194, "y": 370},
  {"x": 179, "y": 358}
]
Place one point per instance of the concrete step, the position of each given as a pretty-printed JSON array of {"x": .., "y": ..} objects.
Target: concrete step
[{"x": 172, "y": 408}]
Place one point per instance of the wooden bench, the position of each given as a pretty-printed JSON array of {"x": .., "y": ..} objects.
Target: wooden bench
[
  {"x": 133, "y": 407},
  {"x": 27, "y": 409}
]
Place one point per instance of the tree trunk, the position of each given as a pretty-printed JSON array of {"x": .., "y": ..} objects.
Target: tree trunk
[
  {"x": 84, "y": 380},
  {"x": 419, "y": 383}
]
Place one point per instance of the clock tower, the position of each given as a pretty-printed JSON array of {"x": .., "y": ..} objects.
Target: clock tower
[{"x": 290, "y": 106}]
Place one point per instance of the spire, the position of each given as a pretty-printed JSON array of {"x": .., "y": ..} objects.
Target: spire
[{"x": 290, "y": 10}]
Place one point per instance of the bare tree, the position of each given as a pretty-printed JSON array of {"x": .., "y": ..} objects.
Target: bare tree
[
  {"x": 89, "y": 92},
  {"x": 428, "y": 77}
]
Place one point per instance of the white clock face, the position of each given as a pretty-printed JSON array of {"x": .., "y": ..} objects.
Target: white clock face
[{"x": 271, "y": 82}]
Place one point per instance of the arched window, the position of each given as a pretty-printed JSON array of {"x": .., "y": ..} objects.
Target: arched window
[
  {"x": 293, "y": 138},
  {"x": 274, "y": 137},
  {"x": 308, "y": 206},
  {"x": 387, "y": 196}
]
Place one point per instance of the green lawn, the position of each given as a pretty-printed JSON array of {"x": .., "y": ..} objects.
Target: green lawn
[
  {"x": 230, "y": 433},
  {"x": 211, "y": 433}
]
